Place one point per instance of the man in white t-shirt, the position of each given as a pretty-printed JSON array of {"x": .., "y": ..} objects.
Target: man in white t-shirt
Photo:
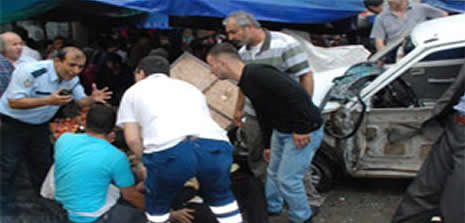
[{"x": 167, "y": 122}]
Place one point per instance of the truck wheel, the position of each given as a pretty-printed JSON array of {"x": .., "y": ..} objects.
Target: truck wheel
[{"x": 320, "y": 174}]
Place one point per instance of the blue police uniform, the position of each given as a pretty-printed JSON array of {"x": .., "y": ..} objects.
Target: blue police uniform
[
  {"x": 35, "y": 80},
  {"x": 24, "y": 132}
]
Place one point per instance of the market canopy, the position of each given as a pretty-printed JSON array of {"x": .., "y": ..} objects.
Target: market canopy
[
  {"x": 287, "y": 11},
  {"x": 11, "y": 11}
]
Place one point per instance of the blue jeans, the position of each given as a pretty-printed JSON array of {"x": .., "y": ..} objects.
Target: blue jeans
[
  {"x": 286, "y": 172},
  {"x": 167, "y": 171}
]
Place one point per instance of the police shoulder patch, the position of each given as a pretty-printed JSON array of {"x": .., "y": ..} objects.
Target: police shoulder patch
[{"x": 39, "y": 72}]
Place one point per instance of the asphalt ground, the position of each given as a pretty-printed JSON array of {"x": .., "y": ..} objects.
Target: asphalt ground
[
  {"x": 351, "y": 200},
  {"x": 359, "y": 201}
]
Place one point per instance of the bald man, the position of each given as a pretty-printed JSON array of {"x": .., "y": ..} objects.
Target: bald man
[
  {"x": 34, "y": 95},
  {"x": 12, "y": 49}
]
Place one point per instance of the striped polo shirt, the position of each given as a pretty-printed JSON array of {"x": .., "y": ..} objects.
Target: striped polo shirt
[{"x": 280, "y": 50}]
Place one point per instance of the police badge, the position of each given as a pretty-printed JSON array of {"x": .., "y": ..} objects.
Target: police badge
[{"x": 27, "y": 83}]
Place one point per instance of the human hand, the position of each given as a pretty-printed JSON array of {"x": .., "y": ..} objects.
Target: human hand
[
  {"x": 140, "y": 187},
  {"x": 266, "y": 155},
  {"x": 56, "y": 99},
  {"x": 238, "y": 118},
  {"x": 301, "y": 140},
  {"x": 100, "y": 95},
  {"x": 184, "y": 215},
  {"x": 111, "y": 137}
]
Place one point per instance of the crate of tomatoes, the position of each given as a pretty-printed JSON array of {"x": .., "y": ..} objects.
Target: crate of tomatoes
[{"x": 72, "y": 124}]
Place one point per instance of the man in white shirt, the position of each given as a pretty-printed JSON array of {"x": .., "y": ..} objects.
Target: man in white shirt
[{"x": 167, "y": 122}]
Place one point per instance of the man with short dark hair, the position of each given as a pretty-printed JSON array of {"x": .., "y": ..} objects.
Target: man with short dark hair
[
  {"x": 374, "y": 6},
  {"x": 87, "y": 166},
  {"x": 290, "y": 123},
  {"x": 168, "y": 124},
  {"x": 34, "y": 95},
  {"x": 259, "y": 45}
]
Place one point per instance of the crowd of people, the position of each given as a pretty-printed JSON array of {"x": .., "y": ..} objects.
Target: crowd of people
[{"x": 186, "y": 155}]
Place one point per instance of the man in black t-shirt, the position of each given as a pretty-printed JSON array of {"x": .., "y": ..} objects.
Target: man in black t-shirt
[{"x": 290, "y": 123}]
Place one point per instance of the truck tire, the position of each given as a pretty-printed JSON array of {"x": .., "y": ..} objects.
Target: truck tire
[{"x": 321, "y": 173}]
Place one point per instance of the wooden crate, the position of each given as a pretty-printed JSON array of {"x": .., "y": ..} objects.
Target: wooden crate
[
  {"x": 191, "y": 69},
  {"x": 221, "y": 95}
]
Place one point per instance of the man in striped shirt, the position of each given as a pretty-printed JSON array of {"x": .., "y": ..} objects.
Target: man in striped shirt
[{"x": 259, "y": 45}]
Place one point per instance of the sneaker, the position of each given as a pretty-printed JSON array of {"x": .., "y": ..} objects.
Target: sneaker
[{"x": 272, "y": 214}]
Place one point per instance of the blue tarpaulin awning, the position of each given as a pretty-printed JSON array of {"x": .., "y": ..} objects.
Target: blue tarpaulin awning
[
  {"x": 288, "y": 11},
  {"x": 448, "y": 5}
]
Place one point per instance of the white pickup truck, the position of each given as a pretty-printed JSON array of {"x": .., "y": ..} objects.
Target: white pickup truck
[{"x": 373, "y": 111}]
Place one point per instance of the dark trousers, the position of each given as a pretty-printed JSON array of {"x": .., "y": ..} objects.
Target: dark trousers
[
  {"x": 122, "y": 212},
  {"x": 438, "y": 189},
  {"x": 250, "y": 194},
  {"x": 20, "y": 141}
]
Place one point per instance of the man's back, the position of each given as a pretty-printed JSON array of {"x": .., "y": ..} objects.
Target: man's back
[
  {"x": 84, "y": 168},
  {"x": 168, "y": 110}
]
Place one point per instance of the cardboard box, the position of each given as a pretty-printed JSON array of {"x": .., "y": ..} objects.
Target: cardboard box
[{"x": 221, "y": 95}]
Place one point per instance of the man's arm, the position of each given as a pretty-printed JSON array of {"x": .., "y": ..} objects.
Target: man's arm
[
  {"x": 53, "y": 99},
  {"x": 133, "y": 196},
  {"x": 184, "y": 215},
  {"x": 378, "y": 32},
  {"x": 379, "y": 44},
  {"x": 238, "y": 109},
  {"x": 306, "y": 81},
  {"x": 133, "y": 138}
]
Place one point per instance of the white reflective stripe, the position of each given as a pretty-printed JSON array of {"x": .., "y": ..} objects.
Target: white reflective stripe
[
  {"x": 158, "y": 218},
  {"x": 232, "y": 219},
  {"x": 197, "y": 200},
  {"x": 112, "y": 197},
  {"x": 225, "y": 208}
]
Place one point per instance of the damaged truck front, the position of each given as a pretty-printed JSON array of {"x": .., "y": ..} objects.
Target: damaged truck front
[{"x": 374, "y": 110}]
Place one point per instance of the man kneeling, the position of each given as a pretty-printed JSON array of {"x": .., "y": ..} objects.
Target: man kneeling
[{"x": 90, "y": 173}]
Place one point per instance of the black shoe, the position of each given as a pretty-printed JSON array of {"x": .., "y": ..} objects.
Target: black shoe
[
  {"x": 272, "y": 214},
  {"x": 315, "y": 210}
]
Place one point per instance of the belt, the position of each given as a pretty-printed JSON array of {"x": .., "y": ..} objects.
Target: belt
[
  {"x": 460, "y": 118},
  {"x": 190, "y": 138}
]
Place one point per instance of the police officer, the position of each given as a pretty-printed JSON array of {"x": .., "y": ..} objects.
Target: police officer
[{"x": 35, "y": 93}]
